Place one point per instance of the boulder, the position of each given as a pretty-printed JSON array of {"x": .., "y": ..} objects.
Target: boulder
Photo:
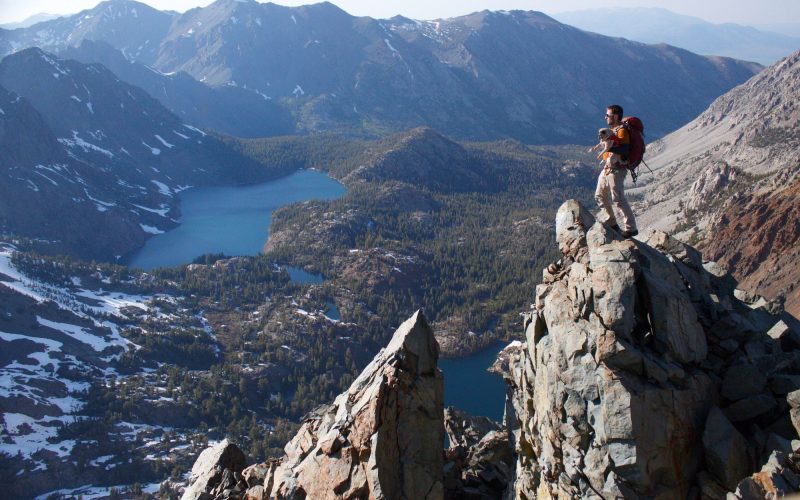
[
  {"x": 750, "y": 407},
  {"x": 487, "y": 468},
  {"x": 214, "y": 467},
  {"x": 783, "y": 383},
  {"x": 614, "y": 270},
  {"x": 573, "y": 221},
  {"x": 779, "y": 477},
  {"x": 255, "y": 474},
  {"x": 254, "y": 493},
  {"x": 793, "y": 398},
  {"x": 784, "y": 335},
  {"x": 666, "y": 244},
  {"x": 674, "y": 321},
  {"x": 725, "y": 450}
]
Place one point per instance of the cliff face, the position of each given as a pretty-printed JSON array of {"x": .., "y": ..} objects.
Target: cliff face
[
  {"x": 757, "y": 238},
  {"x": 643, "y": 375}
]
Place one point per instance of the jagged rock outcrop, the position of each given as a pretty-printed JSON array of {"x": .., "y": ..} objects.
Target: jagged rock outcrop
[
  {"x": 642, "y": 375},
  {"x": 464, "y": 430},
  {"x": 382, "y": 438}
]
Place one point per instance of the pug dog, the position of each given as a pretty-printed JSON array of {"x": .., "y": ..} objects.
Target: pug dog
[{"x": 608, "y": 139}]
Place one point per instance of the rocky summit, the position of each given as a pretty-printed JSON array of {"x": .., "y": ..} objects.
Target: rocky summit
[{"x": 645, "y": 373}]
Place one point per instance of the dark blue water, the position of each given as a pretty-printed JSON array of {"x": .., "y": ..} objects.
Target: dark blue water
[
  {"x": 332, "y": 311},
  {"x": 302, "y": 277},
  {"x": 468, "y": 386},
  {"x": 231, "y": 220}
]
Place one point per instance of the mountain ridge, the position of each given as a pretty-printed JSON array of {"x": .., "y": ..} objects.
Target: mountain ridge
[
  {"x": 482, "y": 76},
  {"x": 227, "y": 110}
]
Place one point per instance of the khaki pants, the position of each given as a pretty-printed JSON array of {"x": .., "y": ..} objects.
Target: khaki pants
[{"x": 611, "y": 190}]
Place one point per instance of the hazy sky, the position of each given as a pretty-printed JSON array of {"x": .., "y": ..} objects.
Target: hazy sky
[{"x": 745, "y": 12}]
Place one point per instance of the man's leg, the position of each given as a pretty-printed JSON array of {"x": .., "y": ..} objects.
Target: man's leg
[
  {"x": 617, "y": 188},
  {"x": 603, "y": 194}
]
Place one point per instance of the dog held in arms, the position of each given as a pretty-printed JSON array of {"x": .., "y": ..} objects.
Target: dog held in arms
[{"x": 608, "y": 139}]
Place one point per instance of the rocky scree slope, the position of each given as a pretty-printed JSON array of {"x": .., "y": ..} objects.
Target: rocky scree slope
[
  {"x": 645, "y": 373},
  {"x": 728, "y": 181},
  {"x": 472, "y": 77}
]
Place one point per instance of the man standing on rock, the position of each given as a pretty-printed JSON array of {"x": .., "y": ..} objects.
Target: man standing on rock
[{"x": 611, "y": 184}]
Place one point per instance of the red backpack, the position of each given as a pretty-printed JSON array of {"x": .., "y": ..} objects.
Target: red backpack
[{"x": 635, "y": 129}]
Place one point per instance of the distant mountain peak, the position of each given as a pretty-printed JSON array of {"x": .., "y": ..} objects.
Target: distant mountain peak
[
  {"x": 324, "y": 9},
  {"x": 421, "y": 134},
  {"x": 30, "y": 21},
  {"x": 232, "y": 3},
  {"x": 127, "y": 4}
]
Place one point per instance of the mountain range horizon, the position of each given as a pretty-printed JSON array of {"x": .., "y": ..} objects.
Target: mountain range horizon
[
  {"x": 425, "y": 11},
  {"x": 664, "y": 364}
]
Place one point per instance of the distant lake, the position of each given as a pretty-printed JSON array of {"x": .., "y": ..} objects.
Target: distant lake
[
  {"x": 233, "y": 220},
  {"x": 469, "y": 387}
]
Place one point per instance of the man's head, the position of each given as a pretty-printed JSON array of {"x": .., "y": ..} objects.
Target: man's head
[{"x": 614, "y": 114}]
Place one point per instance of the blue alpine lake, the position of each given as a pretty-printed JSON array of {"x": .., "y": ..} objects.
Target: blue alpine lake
[
  {"x": 468, "y": 386},
  {"x": 233, "y": 220}
]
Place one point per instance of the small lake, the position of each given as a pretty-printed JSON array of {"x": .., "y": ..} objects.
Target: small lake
[
  {"x": 469, "y": 387},
  {"x": 303, "y": 277},
  {"x": 233, "y": 220}
]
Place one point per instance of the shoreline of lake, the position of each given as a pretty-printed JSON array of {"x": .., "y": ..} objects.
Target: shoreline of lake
[{"x": 232, "y": 220}]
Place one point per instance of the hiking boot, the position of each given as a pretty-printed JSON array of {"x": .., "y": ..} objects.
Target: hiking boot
[
  {"x": 615, "y": 227},
  {"x": 629, "y": 234}
]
